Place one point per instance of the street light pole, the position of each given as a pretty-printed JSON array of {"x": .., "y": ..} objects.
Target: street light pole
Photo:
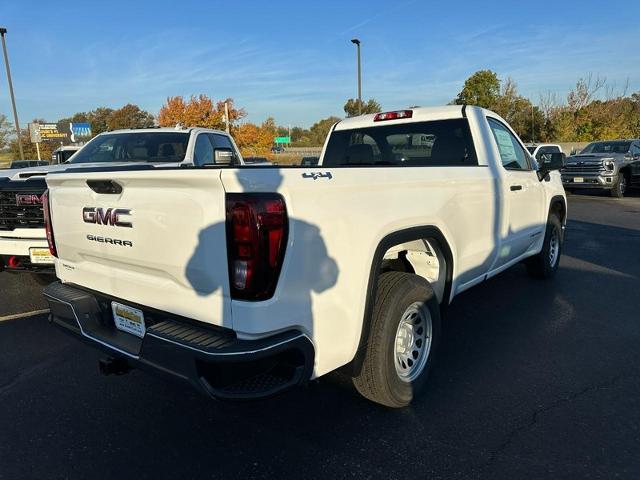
[
  {"x": 356, "y": 42},
  {"x": 532, "y": 130},
  {"x": 3, "y": 31}
]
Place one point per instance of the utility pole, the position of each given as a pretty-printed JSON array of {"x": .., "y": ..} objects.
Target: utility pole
[
  {"x": 356, "y": 42},
  {"x": 532, "y": 128},
  {"x": 226, "y": 114},
  {"x": 3, "y": 32}
]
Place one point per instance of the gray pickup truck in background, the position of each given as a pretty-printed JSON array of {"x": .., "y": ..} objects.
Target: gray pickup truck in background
[{"x": 612, "y": 165}]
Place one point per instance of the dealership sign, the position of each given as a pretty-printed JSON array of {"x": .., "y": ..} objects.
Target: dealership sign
[
  {"x": 79, "y": 131},
  {"x": 49, "y": 133},
  {"x": 34, "y": 133}
]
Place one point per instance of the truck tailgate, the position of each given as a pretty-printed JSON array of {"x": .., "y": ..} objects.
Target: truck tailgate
[{"x": 159, "y": 243}]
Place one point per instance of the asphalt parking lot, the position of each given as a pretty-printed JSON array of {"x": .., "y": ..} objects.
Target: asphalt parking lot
[{"x": 534, "y": 379}]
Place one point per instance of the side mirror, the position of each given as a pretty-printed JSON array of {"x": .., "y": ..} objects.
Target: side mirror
[
  {"x": 223, "y": 156},
  {"x": 550, "y": 162}
]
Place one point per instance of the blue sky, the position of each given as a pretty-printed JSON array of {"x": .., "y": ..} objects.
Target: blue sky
[{"x": 293, "y": 60}]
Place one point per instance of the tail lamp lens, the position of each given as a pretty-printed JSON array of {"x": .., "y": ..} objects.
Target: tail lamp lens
[
  {"x": 257, "y": 229},
  {"x": 396, "y": 115},
  {"x": 47, "y": 223}
]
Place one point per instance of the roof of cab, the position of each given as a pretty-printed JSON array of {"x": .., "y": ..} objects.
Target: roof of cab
[
  {"x": 177, "y": 129},
  {"x": 420, "y": 114}
]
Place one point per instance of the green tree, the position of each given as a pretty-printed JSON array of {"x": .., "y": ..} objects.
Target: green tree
[
  {"x": 526, "y": 119},
  {"x": 351, "y": 108},
  {"x": 319, "y": 130},
  {"x": 129, "y": 116},
  {"x": 6, "y": 130},
  {"x": 297, "y": 133},
  {"x": 99, "y": 119},
  {"x": 482, "y": 89}
]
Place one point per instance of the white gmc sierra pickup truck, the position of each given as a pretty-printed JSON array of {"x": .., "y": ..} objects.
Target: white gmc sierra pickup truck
[
  {"x": 23, "y": 243},
  {"x": 247, "y": 281}
]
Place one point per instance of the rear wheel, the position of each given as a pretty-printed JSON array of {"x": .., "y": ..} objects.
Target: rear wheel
[
  {"x": 545, "y": 264},
  {"x": 402, "y": 342}
]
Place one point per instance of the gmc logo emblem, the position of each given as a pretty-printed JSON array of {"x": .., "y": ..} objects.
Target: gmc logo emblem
[
  {"x": 106, "y": 216},
  {"x": 28, "y": 199}
]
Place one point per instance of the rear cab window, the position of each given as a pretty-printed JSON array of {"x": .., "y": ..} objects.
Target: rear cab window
[{"x": 418, "y": 144}]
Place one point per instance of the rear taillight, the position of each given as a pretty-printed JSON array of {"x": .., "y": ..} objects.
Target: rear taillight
[
  {"x": 47, "y": 223},
  {"x": 397, "y": 115},
  {"x": 257, "y": 228}
]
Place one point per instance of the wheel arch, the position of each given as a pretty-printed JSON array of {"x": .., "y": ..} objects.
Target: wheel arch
[
  {"x": 429, "y": 232},
  {"x": 626, "y": 171},
  {"x": 559, "y": 204}
]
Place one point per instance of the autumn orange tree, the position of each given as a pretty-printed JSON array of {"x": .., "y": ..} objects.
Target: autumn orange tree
[
  {"x": 255, "y": 139},
  {"x": 198, "y": 111}
]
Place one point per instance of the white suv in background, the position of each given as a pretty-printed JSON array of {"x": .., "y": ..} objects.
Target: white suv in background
[{"x": 537, "y": 150}]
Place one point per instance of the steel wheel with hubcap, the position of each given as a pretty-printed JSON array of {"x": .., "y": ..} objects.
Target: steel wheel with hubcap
[{"x": 413, "y": 342}]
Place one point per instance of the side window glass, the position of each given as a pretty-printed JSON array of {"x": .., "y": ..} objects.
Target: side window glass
[
  {"x": 203, "y": 152},
  {"x": 511, "y": 153}
]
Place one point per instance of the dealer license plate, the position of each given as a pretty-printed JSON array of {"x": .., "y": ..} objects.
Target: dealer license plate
[
  {"x": 40, "y": 256},
  {"x": 128, "y": 319}
]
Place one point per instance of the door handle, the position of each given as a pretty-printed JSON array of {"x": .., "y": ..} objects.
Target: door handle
[
  {"x": 515, "y": 187},
  {"x": 105, "y": 186}
]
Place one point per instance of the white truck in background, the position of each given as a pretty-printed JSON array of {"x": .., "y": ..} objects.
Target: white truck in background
[
  {"x": 63, "y": 153},
  {"x": 247, "y": 281},
  {"x": 23, "y": 243}
]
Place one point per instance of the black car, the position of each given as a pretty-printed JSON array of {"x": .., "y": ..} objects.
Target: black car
[{"x": 28, "y": 163}]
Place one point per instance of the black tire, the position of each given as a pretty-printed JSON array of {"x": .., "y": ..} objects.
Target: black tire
[
  {"x": 540, "y": 265},
  {"x": 378, "y": 379},
  {"x": 620, "y": 187}
]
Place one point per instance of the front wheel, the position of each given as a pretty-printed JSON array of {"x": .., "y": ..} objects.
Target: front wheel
[
  {"x": 620, "y": 188},
  {"x": 545, "y": 264},
  {"x": 402, "y": 341}
]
